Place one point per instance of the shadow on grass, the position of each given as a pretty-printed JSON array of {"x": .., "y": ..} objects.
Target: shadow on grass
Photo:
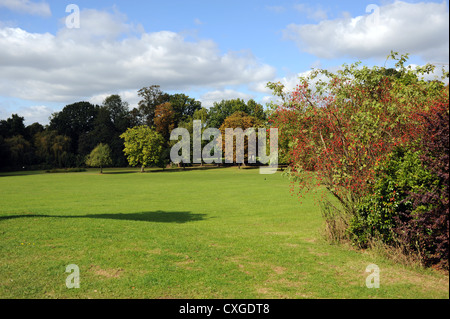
[{"x": 156, "y": 217}]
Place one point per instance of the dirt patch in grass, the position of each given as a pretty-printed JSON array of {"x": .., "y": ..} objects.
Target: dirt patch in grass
[
  {"x": 186, "y": 264},
  {"x": 279, "y": 270},
  {"x": 107, "y": 273}
]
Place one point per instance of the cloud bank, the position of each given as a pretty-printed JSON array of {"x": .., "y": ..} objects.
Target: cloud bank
[
  {"x": 27, "y": 7},
  {"x": 107, "y": 54},
  {"x": 417, "y": 28}
]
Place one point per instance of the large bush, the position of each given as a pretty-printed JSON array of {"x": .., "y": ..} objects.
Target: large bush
[
  {"x": 343, "y": 125},
  {"x": 368, "y": 136}
]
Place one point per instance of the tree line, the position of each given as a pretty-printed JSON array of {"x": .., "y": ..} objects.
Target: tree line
[{"x": 80, "y": 127}]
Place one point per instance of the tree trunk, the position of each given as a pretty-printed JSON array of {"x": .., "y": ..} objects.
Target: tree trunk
[{"x": 142, "y": 169}]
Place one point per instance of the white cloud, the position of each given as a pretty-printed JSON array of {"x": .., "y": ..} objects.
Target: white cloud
[
  {"x": 417, "y": 28},
  {"x": 31, "y": 114},
  {"x": 106, "y": 54},
  {"x": 131, "y": 97},
  {"x": 27, "y": 6},
  {"x": 38, "y": 113}
]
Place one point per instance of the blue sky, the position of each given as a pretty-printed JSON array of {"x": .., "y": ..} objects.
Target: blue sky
[{"x": 210, "y": 50}]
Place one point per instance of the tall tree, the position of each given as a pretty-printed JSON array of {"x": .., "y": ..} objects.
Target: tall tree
[
  {"x": 143, "y": 146},
  {"x": 20, "y": 151},
  {"x": 164, "y": 119},
  {"x": 12, "y": 126},
  {"x": 118, "y": 111},
  {"x": 183, "y": 106},
  {"x": 74, "y": 120},
  {"x": 51, "y": 148},
  {"x": 102, "y": 131},
  {"x": 151, "y": 97}
]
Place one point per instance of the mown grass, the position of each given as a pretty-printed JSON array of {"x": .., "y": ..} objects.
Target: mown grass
[{"x": 217, "y": 233}]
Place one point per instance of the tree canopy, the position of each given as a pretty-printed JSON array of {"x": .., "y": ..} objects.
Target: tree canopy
[
  {"x": 99, "y": 157},
  {"x": 143, "y": 146}
]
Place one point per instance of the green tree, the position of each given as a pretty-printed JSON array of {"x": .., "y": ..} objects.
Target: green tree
[
  {"x": 183, "y": 107},
  {"x": 152, "y": 96},
  {"x": 221, "y": 110},
  {"x": 13, "y": 126},
  {"x": 33, "y": 129},
  {"x": 143, "y": 146},
  {"x": 51, "y": 148},
  {"x": 118, "y": 111},
  {"x": 74, "y": 120},
  {"x": 99, "y": 157},
  {"x": 20, "y": 151},
  {"x": 239, "y": 120}
]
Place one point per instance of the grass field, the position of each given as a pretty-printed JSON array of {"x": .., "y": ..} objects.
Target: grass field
[{"x": 217, "y": 233}]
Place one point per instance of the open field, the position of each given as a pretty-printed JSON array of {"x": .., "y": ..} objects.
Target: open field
[{"x": 216, "y": 233}]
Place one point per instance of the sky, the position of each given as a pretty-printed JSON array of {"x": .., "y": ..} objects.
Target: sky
[{"x": 53, "y": 54}]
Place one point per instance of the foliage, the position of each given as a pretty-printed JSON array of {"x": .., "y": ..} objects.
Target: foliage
[
  {"x": 52, "y": 148},
  {"x": 343, "y": 125},
  {"x": 74, "y": 131},
  {"x": 12, "y": 126},
  {"x": 151, "y": 97},
  {"x": 409, "y": 203},
  {"x": 73, "y": 121},
  {"x": 143, "y": 146},
  {"x": 164, "y": 119},
  {"x": 425, "y": 226},
  {"x": 183, "y": 106},
  {"x": 376, "y": 217},
  {"x": 376, "y": 139},
  {"x": 221, "y": 110},
  {"x": 239, "y": 120},
  {"x": 99, "y": 157},
  {"x": 20, "y": 150},
  {"x": 118, "y": 112}
]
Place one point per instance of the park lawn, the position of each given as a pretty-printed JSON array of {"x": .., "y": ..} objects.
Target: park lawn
[{"x": 215, "y": 233}]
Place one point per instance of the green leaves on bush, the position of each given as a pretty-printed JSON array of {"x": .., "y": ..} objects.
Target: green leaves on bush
[{"x": 377, "y": 215}]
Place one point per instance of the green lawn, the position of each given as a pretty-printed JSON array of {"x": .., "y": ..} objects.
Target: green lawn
[{"x": 217, "y": 233}]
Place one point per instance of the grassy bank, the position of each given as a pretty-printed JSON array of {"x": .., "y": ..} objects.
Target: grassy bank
[{"x": 216, "y": 233}]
